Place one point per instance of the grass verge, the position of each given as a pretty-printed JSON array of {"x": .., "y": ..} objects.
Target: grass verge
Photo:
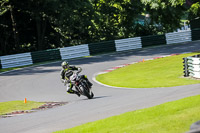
[
  {"x": 8, "y": 107},
  {"x": 163, "y": 72},
  {"x": 171, "y": 117}
]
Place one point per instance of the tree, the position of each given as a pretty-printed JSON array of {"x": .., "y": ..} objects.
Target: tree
[
  {"x": 31, "y": 26},
  {"x": 38, "y": 25},
  {"x": 41, "y": 13},
  {"x": 74, "y": 21},
  {"x": 116, "y": 19},
  {"x": 7, "y": 6},
  {"x": 129, "y": 17},
  {"x": 169, "y": 13},
  {"x": 194, "y": 8},
  {"x": 166, "y": 14}
]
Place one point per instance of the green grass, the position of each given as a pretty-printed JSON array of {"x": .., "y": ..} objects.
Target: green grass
[
  {"x": 8, "y": 107},
  {"x": 171, "y": 117},
  {"x": 163, "y": 72}
]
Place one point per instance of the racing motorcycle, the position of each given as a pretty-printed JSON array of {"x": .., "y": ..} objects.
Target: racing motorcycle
[{"x": 81, "y": 85}]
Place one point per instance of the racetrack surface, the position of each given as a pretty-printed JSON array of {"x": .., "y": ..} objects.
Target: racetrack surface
[{"x": 42, "y": 83}]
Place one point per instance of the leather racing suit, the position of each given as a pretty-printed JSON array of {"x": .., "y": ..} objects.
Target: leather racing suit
[{"x": 65, "y": 77}]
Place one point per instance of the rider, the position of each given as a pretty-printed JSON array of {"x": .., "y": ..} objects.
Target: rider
[{"x": 67, "y": 72}]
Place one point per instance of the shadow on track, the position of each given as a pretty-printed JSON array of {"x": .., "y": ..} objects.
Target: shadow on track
[{"x": 94, "y": 98}]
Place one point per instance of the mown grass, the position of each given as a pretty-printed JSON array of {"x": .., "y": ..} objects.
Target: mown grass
[
  {"x": 163, "y": 72},
  {"x": 171, "y": 117},
  {"x": 11, "y": 106}
]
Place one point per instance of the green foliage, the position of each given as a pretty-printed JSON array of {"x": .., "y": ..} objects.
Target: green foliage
[
  {"x": 38, "y": 25},
  {"x": 75, "y": 22},
  {"x": 116, "y": 18},
  {"x": 27, "y": 28},
  {"x": 194, "y": 10},
  {"x": 175, "y": 7},
  {"x": 166, "y": 14},
  {"x": 8, "y": 107},
  {"x": 3, "y": 7}
]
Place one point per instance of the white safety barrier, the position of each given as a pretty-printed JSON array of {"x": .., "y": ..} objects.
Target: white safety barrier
[
  {"x": 16, "y": 60},
  {"x": 74, "y": 51},
  {"x": 178, "y": 37},
  {"x": 128, "y": 44},
  {"x": 194, "y": 66}
]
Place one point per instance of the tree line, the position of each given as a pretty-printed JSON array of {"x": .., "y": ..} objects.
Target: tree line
[{"x": 32, "y": 25}]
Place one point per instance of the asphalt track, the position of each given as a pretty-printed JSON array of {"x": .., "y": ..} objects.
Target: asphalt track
[{"x": 42, "y": 83}]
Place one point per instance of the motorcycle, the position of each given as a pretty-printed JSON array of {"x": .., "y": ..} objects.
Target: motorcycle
[{"x": 81, "y": 85}]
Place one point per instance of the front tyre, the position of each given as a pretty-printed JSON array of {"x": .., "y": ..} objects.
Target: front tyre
[
  {"x": 87, "y": 94},
  {"x": 91, "y": 95}
]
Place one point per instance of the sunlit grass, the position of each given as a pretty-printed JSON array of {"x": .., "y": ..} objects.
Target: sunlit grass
[
  {"x": 8, "y": 107},
  {"x": 171, "y": 117},
  {"x": 163, "y": 72}
]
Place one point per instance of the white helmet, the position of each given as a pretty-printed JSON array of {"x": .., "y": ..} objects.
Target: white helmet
[{"x": 65, "y": 65}]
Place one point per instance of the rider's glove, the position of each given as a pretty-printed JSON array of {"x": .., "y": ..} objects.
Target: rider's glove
[
  {"x": 79, "y": 70},
  {"x": 65, "y": 82}
]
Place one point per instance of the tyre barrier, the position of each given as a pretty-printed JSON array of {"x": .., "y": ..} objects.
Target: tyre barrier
[
  {"x": 192, "y": 66},
  {"x": 16, "y": 60}
]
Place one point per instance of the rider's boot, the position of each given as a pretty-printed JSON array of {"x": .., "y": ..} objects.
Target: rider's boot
[
  {"x": 74, "y": 92},
  {"x": 78, "y": 94},
  {"x": 89, "y": 83}
]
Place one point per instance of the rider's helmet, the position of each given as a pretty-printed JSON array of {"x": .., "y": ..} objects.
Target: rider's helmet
[{"x": 65, "y": 65}]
